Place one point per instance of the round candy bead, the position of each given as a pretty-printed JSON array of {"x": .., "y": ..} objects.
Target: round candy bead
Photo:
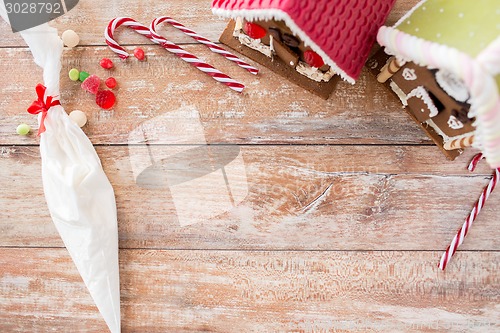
[
  {"x": 78, "y": 117},
  {"x": 139, "y": 53},
  {"x": 83, "y": 76},
  {"x": 23, "y": 129},
  {"x": 110, "y": 82},
  {"x": 105, "y": 99},
  {"x": 70, "y": 38},
  {"x": 106, "y": 63},
  {"x": 74, "y": 74}
]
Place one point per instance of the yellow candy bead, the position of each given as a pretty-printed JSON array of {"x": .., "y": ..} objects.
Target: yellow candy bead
[{"x": 74, "y": 74}]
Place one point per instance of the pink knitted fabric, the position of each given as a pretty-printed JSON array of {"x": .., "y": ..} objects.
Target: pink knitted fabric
[{"x": 344, "y": 30}]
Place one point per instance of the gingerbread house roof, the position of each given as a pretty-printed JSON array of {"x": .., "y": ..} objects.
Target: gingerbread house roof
[
  {"x": 342, "y": 32},
  {"x": 461, "y": 37}
]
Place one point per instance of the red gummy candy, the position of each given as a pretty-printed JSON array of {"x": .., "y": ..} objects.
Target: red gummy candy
[
  {"x": 91, "y": 84},
  {"x": 106, "y": 63},
  {"x": 110, "y": 82},
  {"x": 253, "y": 30},
  {"x": 313, "y": 59},
  {"x": 105, "y": 99},
  {"x": 139, "y": 54}
]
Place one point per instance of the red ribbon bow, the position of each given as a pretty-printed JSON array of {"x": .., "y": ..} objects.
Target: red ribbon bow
[{"x": 41, "y": 106}]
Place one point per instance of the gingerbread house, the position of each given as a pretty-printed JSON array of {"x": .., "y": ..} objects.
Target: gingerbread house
[
  {"x": 311, "y": 42},
  {"x": 442, "y": 60}
]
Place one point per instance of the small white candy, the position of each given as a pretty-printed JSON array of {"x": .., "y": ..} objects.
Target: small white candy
[
  {"x": 70, "y": 38},
  {"x": 78, "y": 117}
]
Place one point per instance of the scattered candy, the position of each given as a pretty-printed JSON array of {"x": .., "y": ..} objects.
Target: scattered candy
[
  {"x": 106, "y": 63},
  {"x": 111, "y": 83},
  {"x": 313, "y": 59},
  {"x": 91, "y": 84},
  {"x": 83, "y": 76},
  {"x": 70, "y": 38},
  {"x": 253, "y": 30},
  {"x": 105, "y": 99},
  {"x": 74, "y": 74},
  {"x": 139, "y": 53},
  {"x": 78, "y": 117},
  {"x": 23, "y": 129}
]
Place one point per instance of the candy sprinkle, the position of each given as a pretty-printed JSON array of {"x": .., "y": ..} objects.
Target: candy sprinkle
[
  {"x": 83, "y": 76},
  {"x": 78, "y": 117},
  {"x": 70, "y": 38},
  {"x": 139, "y": 53},
  {"x": 105, "y": 99},
  {"x": 74, "y": 74},
  {"x": 23, "y": 129},
  {"x": 110, "y": 82},
  {"x": 91, "y": 84},
  {"x": 106, "y": 63}
]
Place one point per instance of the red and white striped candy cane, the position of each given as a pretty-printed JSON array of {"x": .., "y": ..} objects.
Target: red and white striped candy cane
[
  {"x": 145, "y": 31},
  {"x": 212, "y": 46},
  {"x": 129, "y": 23},
  {"x": 462, "y": 232},
  {"x": 193, "y": 60}
]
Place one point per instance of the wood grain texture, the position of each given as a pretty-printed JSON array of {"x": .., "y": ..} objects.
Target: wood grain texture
[
  {"x": 89, "y": 18},
  {"x": 270, "y": 110},
  {"x": 307, "y": 198},
  {"x": 334, "y": 213},
  {"x": 227, "y": 291}
]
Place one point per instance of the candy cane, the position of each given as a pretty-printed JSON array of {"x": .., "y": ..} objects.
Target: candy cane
[
  {"x": 130, "y": 23},
  {"x": 193, "y": 60},
  {"x": 188, "y": 57},
  {"x": 462, "y": 232},
  {"x": 212, "y": 46}
]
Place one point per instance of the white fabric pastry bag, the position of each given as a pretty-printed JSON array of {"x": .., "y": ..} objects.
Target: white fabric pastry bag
[{"x": 80, "y": 198}]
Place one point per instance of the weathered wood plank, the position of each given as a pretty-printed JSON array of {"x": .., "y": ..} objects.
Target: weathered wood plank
[
  {"x": 90, "y": 18},
  {"x": 161, "y": 90},
  {"x": 307, "y": 197},
  {"x": 226, "y": 291}
]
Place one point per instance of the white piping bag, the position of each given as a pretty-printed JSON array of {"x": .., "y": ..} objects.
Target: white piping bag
[{"x": 79, "y": 196}]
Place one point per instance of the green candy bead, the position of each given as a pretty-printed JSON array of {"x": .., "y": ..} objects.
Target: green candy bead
[
  {"x": 23, "y": 129},
  {"x": 74, "y": 74},
  {"x": 83, "y": 76}
]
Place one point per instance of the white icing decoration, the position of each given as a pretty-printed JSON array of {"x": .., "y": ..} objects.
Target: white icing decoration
[
  {"x": 420, "y": 92},
  {"x": 278, "y": 15},
  {"x": 447, "y": 138},
  {"x": 454, "y": 123},
  {"x": 314, "y": 73},
  {"x": 452, "y": 85},
  {"x": 303, "y": 68},
  {"x": 271, "y": 43},
  {"x": 409, "y": 74},
  {"x": 478, "y": 75},
  {"x": 239, "y": 24},
  {"x": 254, "y": 44},
  {"x": 399, "y": 92}
]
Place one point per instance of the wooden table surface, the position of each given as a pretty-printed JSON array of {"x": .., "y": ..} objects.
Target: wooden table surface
[{"x": 347, "y": 205}]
